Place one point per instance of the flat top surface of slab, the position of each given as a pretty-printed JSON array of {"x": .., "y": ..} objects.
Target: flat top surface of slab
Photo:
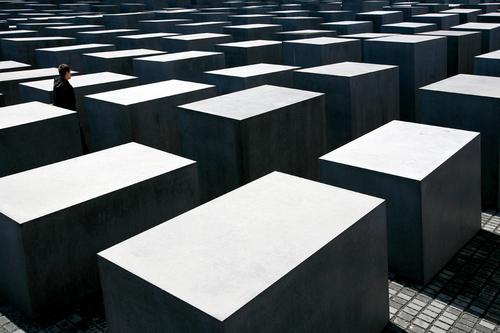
[
  {"x": 346, "y": 69},
  {"x": 151, "y": 35},
  {"x": 219, "y": 256},
  {"x": 379, "y": 12},
  {"x": 409, "y": 39},
  {"x": 494, "y": 14},
  {"x": 179, "y": 56},
  {"x": 36, "y": 39},
  {"x": 28, "y": 74},
  {"x": 477, "y": 26},
  {"x": 402, "y": 149},
  {"x": 82, "y": 80},
  {"x": 147, "y": 92},
  {"x": 124, "y": 53},
  {"x": 346, "y": 22},
  {"x": 251, "y": 26},
  {"x": 368, "y": 35},
  {"x": 7, "y": 64},
  {"x": 450, "y": 33},
  {"x": 74, "y": 47},
  {"x": 203, "y": 24},
  {"x": 13, "y": 32},
  {"x": 476, "y": 85},
  {"x": 321, "y": 40},
  {"x": 251, "y": 102},
  {"x": 76, "y": 27},
  {"x": 409, "y": 24},
  {"x": 37, "y": 192},
  {"x": 490, "y": 55},
  {"x": 30, "y": 112},
  {"x": 252, "y": 70},
  {"x": 104, "y": 32},
  {"x": 203, "y": 35},
  {"x": 303, "y": 32},
  {"x": 252, "y": 43},
  {"x": 434, "y": 15},
  {"x": 461, "y": 11}
]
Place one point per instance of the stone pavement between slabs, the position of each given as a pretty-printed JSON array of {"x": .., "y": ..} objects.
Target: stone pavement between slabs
[{"x": 463, "y": 297}]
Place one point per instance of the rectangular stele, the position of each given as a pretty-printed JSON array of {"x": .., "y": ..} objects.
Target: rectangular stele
[
  {"x": 469, "y": 102},
  {"x": 430, "y": 178},
  {"x": 146, "y": 114},
  {"x": 115, "y": 61},
  {"x": 35, "y": 134},
  {"x": 281, "y": 254},
  {"x": 54, "y": 219},
  {"x": 359, "y": 97},
  {"x": 239, "y": 137}
]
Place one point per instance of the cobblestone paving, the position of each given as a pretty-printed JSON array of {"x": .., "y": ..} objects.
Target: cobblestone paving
[{"x": 463, "y": 297}]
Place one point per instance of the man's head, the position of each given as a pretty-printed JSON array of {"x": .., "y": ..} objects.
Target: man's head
[{"x": 64, "y": 71}]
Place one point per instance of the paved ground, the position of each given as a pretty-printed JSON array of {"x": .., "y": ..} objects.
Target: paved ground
[{"x": 463, "y": 297}]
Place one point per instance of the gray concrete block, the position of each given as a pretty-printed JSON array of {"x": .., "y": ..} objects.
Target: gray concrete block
[
  {"x": 14, "y": 34},
  {"x": 409, "y": 28},
  {"x": 210, "y": 16},
  {"x": 250, "y": 133},
  {"x": 485, "y": 7},
  {"x": 126, "y": 20},
  {"x": 251, "y": 52},
  {"x": 180, "y": 13},
  {"x": 71, "y": 30},
  {"x": 103, "y": 36},
  {"x": 22, "y": 49},
  {"x": 337, "y": 15},
  {"x": 442, "y": 21},
  {"x": 167, "y": 25},
  {"x": 142, "y": 41},
  {"x": 281, "y": 245},
  {"x": 194, "y": 42},
  {"x": 463, "y": 46},
  {"x": 359, "y": 97},
  {"x": 493, "y": 17},
  {"x": 199, "y": 27},
  {"x": 146, "y": 114},
  {"x": 188, "y": 66},
  {"x": 71, "y": 55},
  {"x": 36, "y": 134},
  {"x": 469, "y": 102},
  {"x": 9, "y": 82},
  {"x": 55, "y": 219},
  {"x": 303, "y": 34},
  {"x": 115, "y": 61},
  {"x": 409, "y": 11},
  {"x": 349, "y": 27},
  {"x": 95, "y": 19},
  {"x": 251, "y": 19},
  {"x": 11, "y": 66},
  {"x": 364, "y": 36},
  {"x": 490, "y": 34},
  {"x": 246, "y": 32},
  {"x": 132, "y": 7},
  {"x": 466, "y": 15},
  {"x": 320, "y": 51},
  {"x": 298, "y": 23},
  {"x": 434, "y": 7},
  {"x": 379, "y": 18},
  {"x": 407, "y": 164},
  {"x": 363, "y": 6},
  {"x": 421, "y": 59},
  {"x": 40, "y": 27},
  {"x": 487, "y": 64},
  {"x": 233, "y": 79}
]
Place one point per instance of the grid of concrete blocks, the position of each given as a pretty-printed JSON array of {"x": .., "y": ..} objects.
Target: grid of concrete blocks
[{"x": 275, "y": 166}]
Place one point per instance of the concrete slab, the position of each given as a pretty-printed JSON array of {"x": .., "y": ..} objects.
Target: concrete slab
[
  {"x": 194, "y": 42},
  {"x": 233, "y": 79},
  {"x": 167, "y": 25},
  {"x": 356, "y": 100},
  {"x": 54, "y": 219},
  {"x": 246, "y": 32},
  {"x": 251, "y": 52},
  {"x": 421, "y": 59},
  {"x": 493, "y": 17},
  {"x": 142, "y": 41},
  {"x": 487, "y": 64},
  {"x": 380, "y": 17},
  {"x": 303, "y": 34},
  {"x": 250, "y": 133},
  {"x": 407, "y": 164},
  {"x": 103, "y": 36},
  {"x": 298, "y": 22},
  {"x": 36, "y": 134},
  {"x": 71, "y": 30},
  {"x": 469, "y": 102},
  {"x": 349, "y": 27},
  {"x": 199, "y": 27},
  {"x": 115, "y": 61},
  {"x": 442, "y": 21},
  {"x": 409, "y": 11},
  {"x": 40, "y": 27},
  {"x": 490, "y": 34},
  {"x": 11, "y": 66},
  {"x": 251, "y": 19},
  {"x": 320, "y": 51},
  {"x": 9, "y": 82},
  {"x": 188, "y": 66},
  {"x": 410, "y": 28},
  {"x": 337, "y": 15},
  {"x": 71, "y": 55},
  {"x": 126, "y": 20},
  {"x": 226, "y": 265},
  {"x": 146, "y": 114},
  {"x": 466, "y": 15}
]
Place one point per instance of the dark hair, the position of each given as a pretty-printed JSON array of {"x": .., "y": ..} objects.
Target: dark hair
[{"x": 63, "y": 69}]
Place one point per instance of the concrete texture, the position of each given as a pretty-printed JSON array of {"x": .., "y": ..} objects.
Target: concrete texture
[
  {"x": 410, "y": 28},
  {"x": 337, "y": 15},
  {"x": 349, "y": 27},
  {"x": 469, "y": 102},
  {"x": 71, "y": 30},
  {"x": 409, "y": 10},
  {"x": 71, "y": 55},
  {"x": 14, "y": 34},
  {"x": 442, "y": 21},
  {"x": 487, "y": 64},
  {"x": 490, "y": 34},
  {"x": 154, "y": 26},
  {"x": 359, "y": 97},
  {"x": 247, "y": 32},
  {"x": 298, "y": 22},
  {"x": 194, "y": 42},
  {"x": 226, "y": 265},
  {"x": 188, "y": 66},
  {"x": 303, "y": 34},
  {"x": 115, "y": 61},
  {"x": 36, "y": 134},
  {"x": 421, "y": 59},
  {"x": 103, "y": 36},
  {"x": 199, "y": 27},
  {"x": 126, "y": 20},
  {"x": 320, "y": 51},
  {"x": 233, "y": 79},
  {"x": 463, "y": 46},
  {"x": 466, "y": 15},
  {"x": 250, "y": 133},
  {"x": 493, "y": 17},
  {"x": 54, "y": 219},
  {"x": 380, "y": 18},
  {"x": 251, "y": 19},
  {"x": 251, "y": 52},
  {"x": 9, "y": 82},
  {"x": 11, "y": 66},
  {"x": 407, "y": 164},
  {"x": 142, "y": 41},
  {"x": 146, "y": 114}
]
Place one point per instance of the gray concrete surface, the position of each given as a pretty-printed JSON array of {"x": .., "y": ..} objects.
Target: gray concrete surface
[{"x": 487, "y": 64}]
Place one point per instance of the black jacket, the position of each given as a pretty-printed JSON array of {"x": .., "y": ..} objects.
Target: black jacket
[{"x": 64, "y": 95}]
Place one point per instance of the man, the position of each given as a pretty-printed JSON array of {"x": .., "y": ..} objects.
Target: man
[{"x": 64, "y": 97}]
